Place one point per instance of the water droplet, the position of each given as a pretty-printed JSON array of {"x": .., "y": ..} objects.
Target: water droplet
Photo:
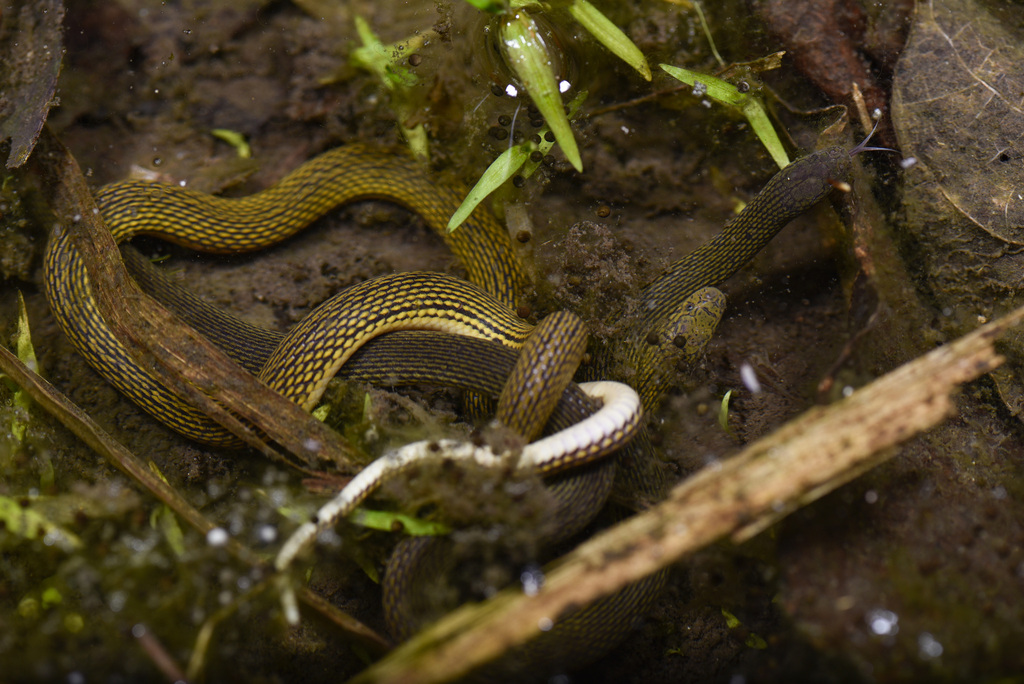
[
  {"x": 218, "y": 536},
  {"x": 749, "y": 378},
  {"x": 883, "y": 622},
  {"x": 532, "y": 579},
  {"x": 928, "y": 646},
  {"x": 116, "y": 601}
]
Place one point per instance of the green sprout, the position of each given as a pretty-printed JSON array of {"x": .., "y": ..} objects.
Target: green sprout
[
  {"x": 506, "y": 166},
  {"x": 235, "y": 139},
  {"x": 162, "y": 519},
  {"x": 749, "y": 105},
  {"x": 753, "y": 640},
  {"x": 723, "y": 413},
  {"x": 525, "y": 53},
  {"x": 26, "y": 354},
  {"x": 523, "y": 48},
  {"x": 384, "y": 61}
]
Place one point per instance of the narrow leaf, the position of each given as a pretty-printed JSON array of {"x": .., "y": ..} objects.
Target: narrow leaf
[
  {"x": 723, "y": 413},
  {"x": 751, "y": 107},
  {"x": 609, "y": 35},
  {"x": 762, "y": 127},
  {"x": 27, "y": 355},
  {"x": 500, "y": 170},
  {"x": 235, "y": 139}
]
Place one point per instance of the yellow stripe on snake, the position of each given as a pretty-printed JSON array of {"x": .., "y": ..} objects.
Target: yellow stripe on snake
[{"x": 678, "y": 313}]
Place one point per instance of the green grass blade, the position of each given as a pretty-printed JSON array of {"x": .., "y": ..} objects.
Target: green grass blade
[
  {"x": 723, "y": 413},
  {"x": 609, "y": 35},
  {"x": 751, "y": 107},
  {"x": 717, "y": 89},
  {"x": 27, "y": 355},
  {"x": 235, "y": 139},
  {"x": 765, "y": 131},
  {"x": 500, "y": 170}
]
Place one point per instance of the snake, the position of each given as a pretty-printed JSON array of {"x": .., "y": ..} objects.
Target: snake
[
  {"x": 677, "y": 314},
  {"x": 231, "y": 225}
]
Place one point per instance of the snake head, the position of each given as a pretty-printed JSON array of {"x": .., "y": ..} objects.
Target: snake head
[
  {"x": 677, "y": 342},
  {"x": 690, "y": 329},
  {"x": 810, "y": 179}
]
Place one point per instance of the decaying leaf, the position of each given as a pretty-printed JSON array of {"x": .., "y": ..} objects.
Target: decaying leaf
[
  {"x": 31, "y": 45},
  {"x": 957, "y": 110}
]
